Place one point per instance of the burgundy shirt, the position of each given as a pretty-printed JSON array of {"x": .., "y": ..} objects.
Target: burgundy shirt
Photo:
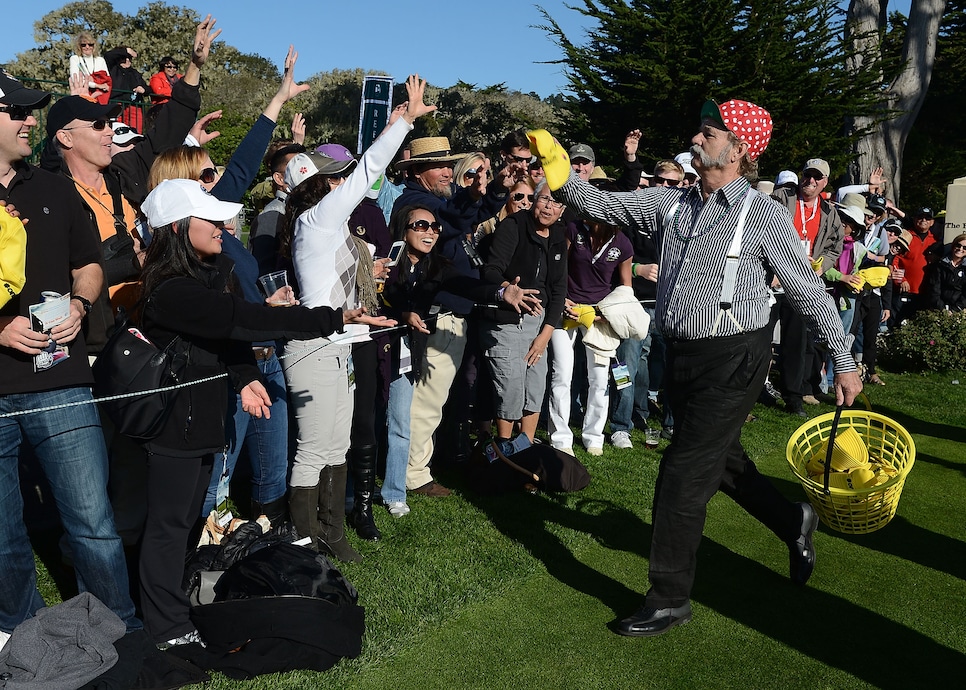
[{"x": 590, "y": 274}]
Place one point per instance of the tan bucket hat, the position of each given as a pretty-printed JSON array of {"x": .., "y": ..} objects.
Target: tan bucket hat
[{"x": 429, "y": 150}]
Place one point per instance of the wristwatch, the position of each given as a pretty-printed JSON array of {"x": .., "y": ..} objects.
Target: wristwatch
[{"x": 86, "y": 303}]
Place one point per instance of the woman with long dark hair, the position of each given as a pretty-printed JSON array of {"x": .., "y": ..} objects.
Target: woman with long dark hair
[
  {"x": 409, "y": 295},
  {"x": 319, "y": 372},
  {"x": 186, "y": 289}
]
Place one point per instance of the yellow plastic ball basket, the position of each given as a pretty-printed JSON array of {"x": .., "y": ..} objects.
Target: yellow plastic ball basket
[{"x": 853, "y": 511}]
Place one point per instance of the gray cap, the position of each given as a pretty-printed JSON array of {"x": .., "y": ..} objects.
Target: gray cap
[{"x": 582, "y": 151}]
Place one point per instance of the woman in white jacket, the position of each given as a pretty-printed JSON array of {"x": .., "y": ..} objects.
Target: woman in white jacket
[{"x": 319, "y": 371}]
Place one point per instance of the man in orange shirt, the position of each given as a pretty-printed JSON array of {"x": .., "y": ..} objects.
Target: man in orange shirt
[{"x": 820, "y": 232}]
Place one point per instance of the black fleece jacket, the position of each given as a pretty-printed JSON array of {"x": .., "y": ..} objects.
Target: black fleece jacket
[{"x": 217, "y": 328}]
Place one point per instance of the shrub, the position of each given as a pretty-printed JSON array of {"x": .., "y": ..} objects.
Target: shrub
[{"x": 930, "y": 341}]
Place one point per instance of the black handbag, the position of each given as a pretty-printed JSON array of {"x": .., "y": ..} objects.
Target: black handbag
[{"x": 131, "y": 364}]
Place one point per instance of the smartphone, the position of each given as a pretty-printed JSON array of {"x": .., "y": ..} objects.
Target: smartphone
[{"x": 395, "y": 251}]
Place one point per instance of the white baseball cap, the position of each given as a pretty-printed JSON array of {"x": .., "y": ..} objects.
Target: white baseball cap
[{"x": 173, "y": 200}]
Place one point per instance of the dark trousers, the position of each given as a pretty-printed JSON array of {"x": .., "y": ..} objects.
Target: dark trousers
[
  {"x": 176, "y": 489},
  {"x": 802, "y": 358},
  {"x": 712, "y": 385},
  {"x": 365, "y": 366},
  {"x": 868, "y": 314}
]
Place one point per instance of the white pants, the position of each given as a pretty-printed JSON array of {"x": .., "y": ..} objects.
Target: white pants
[
  {"x": 318, "y": 390},
  {"x": 444, "y": 354},
  {"x": 561, "y": 376}
]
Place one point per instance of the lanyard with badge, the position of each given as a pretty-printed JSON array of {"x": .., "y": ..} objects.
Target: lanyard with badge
[{"x": 806, "y": 245}]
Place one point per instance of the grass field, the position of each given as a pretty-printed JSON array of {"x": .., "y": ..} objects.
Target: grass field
[{"x": 521, "y": 591}]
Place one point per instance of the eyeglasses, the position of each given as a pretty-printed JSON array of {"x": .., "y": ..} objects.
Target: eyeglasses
[
  {"x": 519, "y": 196},
  {"x": 96, "y": 125},
  {"x": 16, "y": 112},
  {"x": 811, "y": 174},
  {"x": 208, "y": 175},
  {"x": 669, "y": 181},
  {"x": 86, "y": 45},
  {"x": 171, "y": 67},
  {"x": 549, "y": 201},
  {"x": 425, "y": 225},
  {"x": 961, "y": 247},
  {"x": 520, "y": 159}
]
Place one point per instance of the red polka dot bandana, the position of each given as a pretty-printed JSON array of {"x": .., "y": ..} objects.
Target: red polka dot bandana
[{"x": 749, "y": 122}]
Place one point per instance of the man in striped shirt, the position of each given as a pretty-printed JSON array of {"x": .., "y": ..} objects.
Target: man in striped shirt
[{"x": 720, "y": 244}]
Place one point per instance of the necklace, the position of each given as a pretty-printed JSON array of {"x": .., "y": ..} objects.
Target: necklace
[{"x": 710, "y": 226}]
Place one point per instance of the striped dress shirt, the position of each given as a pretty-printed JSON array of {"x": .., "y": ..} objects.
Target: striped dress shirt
[{"x": 693, "y": 241}]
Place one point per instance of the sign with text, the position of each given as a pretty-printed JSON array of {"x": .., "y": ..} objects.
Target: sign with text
[
  {"x": 374, "y": 109},
  {"x": 955, "y": 210}
]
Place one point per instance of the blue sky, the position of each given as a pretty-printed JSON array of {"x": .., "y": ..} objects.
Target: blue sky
[{"x": 482, "y": 43}]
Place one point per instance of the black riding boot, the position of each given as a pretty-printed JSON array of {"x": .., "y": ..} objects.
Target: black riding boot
[
  {"x": 303, "y": 507},
  {"x": 275, "y": 510},
  {"x": 362, "y": 464}
]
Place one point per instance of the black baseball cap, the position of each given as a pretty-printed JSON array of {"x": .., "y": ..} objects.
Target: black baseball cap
[
  {"x": 13, "y": 92},
  {"x": 70, "y": 108}
]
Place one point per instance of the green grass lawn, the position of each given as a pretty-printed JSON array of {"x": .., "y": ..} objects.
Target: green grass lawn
[{"x": 521, "y": 591}]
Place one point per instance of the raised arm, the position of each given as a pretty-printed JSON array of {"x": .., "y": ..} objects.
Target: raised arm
[
  {"x": 205, "y": 35},
  {"x": 287, "y": 90}
]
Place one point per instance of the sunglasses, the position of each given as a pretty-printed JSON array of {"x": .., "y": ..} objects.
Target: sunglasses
[
  {"x": 811, "y": 174},
  {"x": 96, "y": 125},
  {"x": 549, "y": 201},
  {"x": 669, "y": 181},
  {"x": 171, "y": 67},
  {"x": 86, "y": 45},
  {"x": 16, "y": 112},
  {"x": 520, "y": 159},
  {"x": 519, "y": 196},
  {"x": 424, "y": 225},
  {"x": 208, "y": 175},
  {"x": 960, "y": 246}
]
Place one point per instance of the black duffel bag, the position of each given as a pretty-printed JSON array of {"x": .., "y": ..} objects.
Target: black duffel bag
[{"x": 537, "y": 468}]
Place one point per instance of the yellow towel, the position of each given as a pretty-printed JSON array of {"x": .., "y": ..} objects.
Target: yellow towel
[
  {"x": 585, "y": 317},
  {"x": 13, "y": 256},
  {"x": 556, "y": 162}
]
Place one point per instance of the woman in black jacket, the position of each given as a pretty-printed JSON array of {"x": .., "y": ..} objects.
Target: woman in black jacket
[
  {"x": 531, "y": 244},
  {"x": 186, "y": 283},
  {"x": 944, "y": 286}
]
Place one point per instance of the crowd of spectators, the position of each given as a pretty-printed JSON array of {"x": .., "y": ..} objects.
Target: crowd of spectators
[{"x": 497, "y": 288}]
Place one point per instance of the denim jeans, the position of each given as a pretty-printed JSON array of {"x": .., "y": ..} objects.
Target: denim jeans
[
  {"x": 632, "y": 400},
  {"x": 69, "y": 445},
  {"x": 847, "y": 316},
  {"x": 397, "y": 456},
  {"x": 266, "y": 440}
]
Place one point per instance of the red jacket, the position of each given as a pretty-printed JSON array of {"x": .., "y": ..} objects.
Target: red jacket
[
  {"x": 914, "y": 261},
  {"x": 160, "y": 88}
]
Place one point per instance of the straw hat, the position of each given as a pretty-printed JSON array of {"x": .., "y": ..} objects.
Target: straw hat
[{"x": 429, "y": 150}]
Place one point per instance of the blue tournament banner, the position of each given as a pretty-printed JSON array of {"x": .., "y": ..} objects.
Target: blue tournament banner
[{"x": 374, "y": 109}]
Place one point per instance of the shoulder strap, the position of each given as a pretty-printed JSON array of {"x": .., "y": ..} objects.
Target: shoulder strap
[{"x": 732, "y": 262}]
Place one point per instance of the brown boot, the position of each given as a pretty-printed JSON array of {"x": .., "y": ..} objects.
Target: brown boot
[{"x": 332, "y": 514}]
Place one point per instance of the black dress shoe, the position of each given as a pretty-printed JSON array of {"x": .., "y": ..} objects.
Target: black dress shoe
[
  {"x": 648, "y": 622},
  {"x": 801, "y": 552},
  {"x": 795, "y": 408}
]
